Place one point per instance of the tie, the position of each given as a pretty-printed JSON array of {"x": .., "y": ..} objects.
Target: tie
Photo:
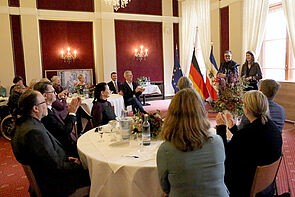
[{"x": 116, "y": 87}]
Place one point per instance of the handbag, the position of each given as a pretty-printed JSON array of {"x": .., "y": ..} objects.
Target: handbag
[{"x": 286, "y": 194}]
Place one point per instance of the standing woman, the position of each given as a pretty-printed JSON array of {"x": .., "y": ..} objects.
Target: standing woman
[
  {"x": 251, "y": 71},
  {"x": 191, "y": 161}
]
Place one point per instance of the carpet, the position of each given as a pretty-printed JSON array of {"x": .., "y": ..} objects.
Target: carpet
[{"x": 14, "y": 183}]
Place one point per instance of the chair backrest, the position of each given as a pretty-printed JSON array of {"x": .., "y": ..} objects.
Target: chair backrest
[
  {"x": 83, "y": 191},
  {"x": 33, "y": 183},
  {"x": 264, "y": 176}
]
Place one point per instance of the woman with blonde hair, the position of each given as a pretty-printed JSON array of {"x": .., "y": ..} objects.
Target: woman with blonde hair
[
  {"x": 191, "y": 161},
  {"x": 258, "y": 143}
]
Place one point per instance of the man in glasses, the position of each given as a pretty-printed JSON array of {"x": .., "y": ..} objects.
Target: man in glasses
[
  {"x": 56, "y": 173},
  {"x": 61, "y": 129},
  {"x": 229, "y": 69}
]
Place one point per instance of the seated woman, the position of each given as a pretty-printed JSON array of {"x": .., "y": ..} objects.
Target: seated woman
[
  {"x": 102, "y": 111},
  {"x": 191, "y": 161},
  {"x": 258, "y": 143}
]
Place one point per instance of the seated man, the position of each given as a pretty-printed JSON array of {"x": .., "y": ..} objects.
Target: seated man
[
  {"x": 14, "y": 97},
  {"x": 18, "y": 80},
  {"x": 60, "y": 129},
  {"x": 56, "y": 173},
  {"x": 60, "y": 104},
  {"x": 114, "y": 85},
  {"x": 269, "y": 88},
  {"x": 3, "y": 91},
  {"x": 132, "y": 92}
]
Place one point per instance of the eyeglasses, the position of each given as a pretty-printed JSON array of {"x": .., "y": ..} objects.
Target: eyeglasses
[
  {"x": 41, "y": 103},
  {"x": 226, "y": 55}
]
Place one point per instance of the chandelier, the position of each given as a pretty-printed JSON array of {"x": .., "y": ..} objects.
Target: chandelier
[
  {"x": 68, "y": 57},
  {"x": 117, "y": 3},
  {"x": 140, "y": 55}
]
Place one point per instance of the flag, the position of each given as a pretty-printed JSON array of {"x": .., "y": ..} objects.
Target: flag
[
  {"x": 196, "y": 77},
  {"x": 177, "y": 73},
  {"x": 210, "y": 75}
]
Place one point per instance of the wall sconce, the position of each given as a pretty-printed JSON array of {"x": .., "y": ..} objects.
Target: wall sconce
[
  {"x": 140, "y": 55},
  {"x": 68, "y": 57}
]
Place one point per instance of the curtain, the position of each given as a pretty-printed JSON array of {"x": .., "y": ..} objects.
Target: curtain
[
  {"x": 204, "y": 29},
  {"x": 289, "y": 9},
  {"x": 189, "y": 24},
  {"x": 254, "y": 18},
  {"x": 195, "y": 14}
]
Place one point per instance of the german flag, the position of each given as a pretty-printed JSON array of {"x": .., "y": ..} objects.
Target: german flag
[{"x": 196, "y": 77}]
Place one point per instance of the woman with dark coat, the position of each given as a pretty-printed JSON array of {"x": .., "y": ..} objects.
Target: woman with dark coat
[
  {"x": 102, "y": 111},
  {"x": 258, "y": 143},
  {"x": 251, "y": 71}
]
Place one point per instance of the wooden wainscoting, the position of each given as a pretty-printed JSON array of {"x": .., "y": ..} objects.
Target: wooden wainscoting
[{"x": 286, "y": 98}]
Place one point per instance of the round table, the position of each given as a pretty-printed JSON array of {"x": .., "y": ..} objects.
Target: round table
[{"x": 119, "y": 168}]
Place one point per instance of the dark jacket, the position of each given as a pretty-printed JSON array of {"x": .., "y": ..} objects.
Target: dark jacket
[
  {"x": 112, "y": 87},
  {"x": 255, "y": 145},
  {"x": 33, "y": 145},
  {"x": 102, "y": 112},
  {"x": 61, "y": 129},
  {"x": 128, "y": 93},
  {"x": 254, "y": 71},
  {"x": 229, "y": 67}
]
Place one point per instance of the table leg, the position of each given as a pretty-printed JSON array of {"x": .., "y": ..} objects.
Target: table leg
[{"x": 143, "y": 101}]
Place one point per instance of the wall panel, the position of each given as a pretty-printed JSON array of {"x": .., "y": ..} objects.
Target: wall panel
[
  {"x": 153, "y": 7},
  {"x": 18, "y": 52},
  {"x": 57, "y": 35},
  {"x": 224, "y": 34},
  {"x": 69, "y": 5},
  {"x": 132, "y": 34}
]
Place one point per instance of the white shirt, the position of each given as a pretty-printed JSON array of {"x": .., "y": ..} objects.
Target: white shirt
[{"x": 130, "y": 85}]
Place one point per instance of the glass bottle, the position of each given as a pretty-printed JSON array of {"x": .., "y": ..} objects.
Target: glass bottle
[{"x": 146, "y": 133}]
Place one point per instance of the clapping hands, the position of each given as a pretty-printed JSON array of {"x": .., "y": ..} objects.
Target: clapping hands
[
  {"x": 225, "y": 118},
  {"x": 74, "y": 105},
  {"x": 139, "y": 89}
]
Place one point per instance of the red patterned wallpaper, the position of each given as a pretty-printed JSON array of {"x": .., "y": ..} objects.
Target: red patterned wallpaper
[
  {"x": 70, "y": 5},
  {"x": 224, "y": 31},
  {"x": 57, "y": 35},
  {"x": 18, "y": 52},
  {"x": 132, "y": 34},
  {"x": 153, "y": 7},
  {"x": 175, "y": 7},
  {"x": 13, "y": 3}
]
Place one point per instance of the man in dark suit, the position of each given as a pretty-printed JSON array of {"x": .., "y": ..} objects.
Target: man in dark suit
[
  {"x": 56, "y": 173},
  {"x": 131, "y": 93},
  {"x": 229, "y": 69},
  {"x": 114, "y": 85},
  {"x": 59, "y": 128}
]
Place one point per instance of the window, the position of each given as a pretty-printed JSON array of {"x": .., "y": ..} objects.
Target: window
[{"x": 276, "y": 55}]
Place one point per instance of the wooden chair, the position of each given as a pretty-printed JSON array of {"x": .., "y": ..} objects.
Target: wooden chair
[
  {"x": 264, "y": 176},
  {"x": 80, "y": 192}
]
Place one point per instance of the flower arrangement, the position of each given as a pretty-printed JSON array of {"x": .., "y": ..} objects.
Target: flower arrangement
[
  {"x": 79, "y": 87},
  {"x": 155, "y": 119},
  {"x": 230, "y": 94},
  {"x": 143, "y": 80}
]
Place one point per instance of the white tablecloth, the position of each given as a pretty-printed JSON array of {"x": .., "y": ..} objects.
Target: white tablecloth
[
  {"x": 113, "y": 169},
  {"x": 151, "y": 89},
  {"x": 115, "y": 99}
]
